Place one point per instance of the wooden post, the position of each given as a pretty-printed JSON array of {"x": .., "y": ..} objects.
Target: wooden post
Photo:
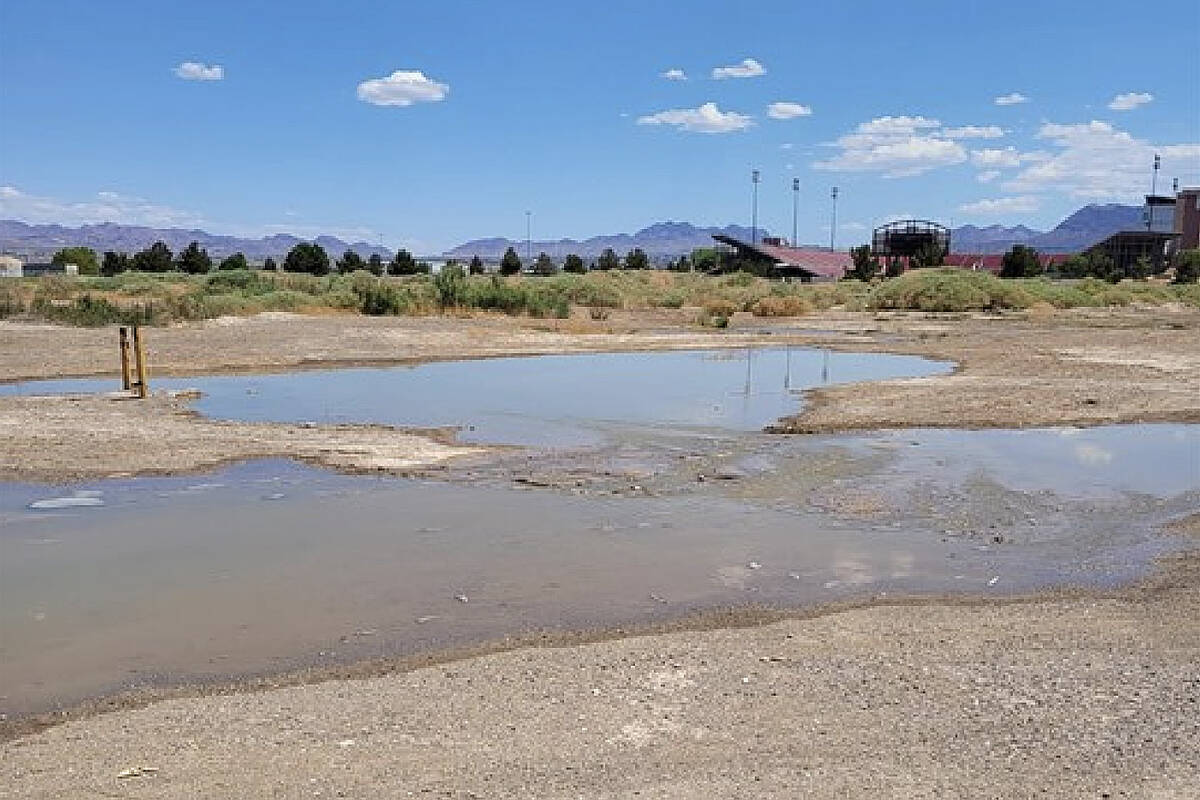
[
  {"x": 140, "y": 355},
  {"x": 125, "y": 377}
]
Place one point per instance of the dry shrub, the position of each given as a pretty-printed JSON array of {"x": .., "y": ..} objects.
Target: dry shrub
[{"x": 792, "y": 305}]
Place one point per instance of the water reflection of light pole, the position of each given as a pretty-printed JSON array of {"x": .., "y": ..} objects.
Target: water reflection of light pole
[
  {"x": 749, "y": 356},
  {"x": 825, "y": 368},
  {"x": 787, "y": 369},
  {"x": 754, "y": 207}
]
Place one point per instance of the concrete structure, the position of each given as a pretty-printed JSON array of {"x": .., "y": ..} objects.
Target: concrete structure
[
  {"x": 11, "y": 267},
  {"x": 780, "y": 261},
  {"x": 1187, "y": 218}
]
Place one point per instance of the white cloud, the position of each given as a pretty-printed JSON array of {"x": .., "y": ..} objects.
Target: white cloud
[
  {"x": 786, "y": 146},
  {"x": 786, "y": 110},
  {"x": 896, "y": 147},
  {"x": 1130, "y": 100},
  {"x": 1005, "y": 157},
  {"x": 1011, "y": 99},
  {"x": 974, "y": 132},
  {"x": 1024, "y": 204},
  {"x": 195, "y": 71},
  {"x": 104, "y": 207},
  {"x": 988, "y": 175},
  {"x": 705, "y": 119},
  {"x": 674, "y": 74},
  {"x": 402, "y": 88},
  {"x": 1095, "y": 161},
  {"x": 1092, "y": 455},
  {"x": 749, "y": 68}
]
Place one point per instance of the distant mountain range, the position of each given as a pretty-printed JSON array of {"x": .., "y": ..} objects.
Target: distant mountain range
[
  {"x": 1085, "y": 227},
  {"x": 658, "y": 240},
  {"x": 25, "y": 239},
  {"x": 1082, "y": 229}
]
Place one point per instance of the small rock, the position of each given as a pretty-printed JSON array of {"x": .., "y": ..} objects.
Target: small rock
[{"x": 462, "y": 598}]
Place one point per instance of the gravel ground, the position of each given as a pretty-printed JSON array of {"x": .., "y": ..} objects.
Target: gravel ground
[{"x": 1076, "y": 697}]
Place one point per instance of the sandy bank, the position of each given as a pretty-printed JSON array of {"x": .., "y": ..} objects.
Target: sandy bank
[{"x": 64, "y": 438}]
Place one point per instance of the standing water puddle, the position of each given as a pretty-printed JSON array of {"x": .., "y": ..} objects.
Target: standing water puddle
[
  {"x": 270, "y": 566},
  {"x": 539, "y": 400}
]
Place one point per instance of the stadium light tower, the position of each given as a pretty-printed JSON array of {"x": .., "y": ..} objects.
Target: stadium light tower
[
  {"x": 833, "y": 193},
  {"x": 795, "y": 210},
  {"x": 1153, "y": 192},
  {"x": 528, "y": 236},
  {"x": 754, "y": 207}
]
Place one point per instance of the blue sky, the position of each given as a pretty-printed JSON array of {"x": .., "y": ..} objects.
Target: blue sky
[{"x": 423, "y": 125}]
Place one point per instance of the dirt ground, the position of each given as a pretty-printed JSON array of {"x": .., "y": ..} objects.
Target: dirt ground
[
  {"x": 1077, "y": 697},
  {"x": 1083, "y": 696},
  {"x": 1083, "y": 367}
]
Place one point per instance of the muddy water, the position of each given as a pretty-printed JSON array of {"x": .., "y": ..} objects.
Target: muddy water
[
  {"x": 647, "y": 495},
  {"x": 270, "y": 566}
]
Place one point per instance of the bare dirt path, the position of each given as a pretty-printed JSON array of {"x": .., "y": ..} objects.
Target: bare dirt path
[{"x": 1078, "y": 697}]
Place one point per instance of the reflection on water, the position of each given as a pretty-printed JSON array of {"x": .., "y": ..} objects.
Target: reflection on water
[
  {"x": 542, "y": 400},
  {"x": 1160, "y": 460}
]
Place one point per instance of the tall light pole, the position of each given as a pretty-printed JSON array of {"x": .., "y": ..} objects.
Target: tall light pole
[
  {"x": 754, "y": 206},
  {"x": 528, "y": 236},
  {"x": 1153, "y": 192},
  {"x": 833, "y": 193},
  {"x": 795, "y": 210}
]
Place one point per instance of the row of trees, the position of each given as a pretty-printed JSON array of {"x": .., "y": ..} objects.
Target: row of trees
[{"x": 193, "y": 260}]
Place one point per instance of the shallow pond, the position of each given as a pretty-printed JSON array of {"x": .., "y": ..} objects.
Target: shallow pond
[{"x": 540, "y": 400}]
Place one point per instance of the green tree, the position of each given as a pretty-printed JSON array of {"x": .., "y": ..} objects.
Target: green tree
[
  {"x": 573, "y": 263},
  {"x": 349, "y": 262},
  {"x": 235, "y": 261},
  {"x": 1020, "y": 262},
  {"x": 114, "y": 263},
  {"x": 704, "y": 259},
  {"x": 270, "y": 264},
  {"x": 510, "y": 264},
  {"x": 375, "y": 264},
  {"x": 450, "y": 285},
  {"x": 424, "y": 268},
  {"x": 636, "y": 259},
  {"x": 684, "y": 264},
  {"x": 155, "y": 258},
  {"x": 403, "y": 264},
  {"x": 608, "y": 260},
  {"x": 194, "y": 260},
  {"x": 1076, "y": 266},
  {"x": 866, "y": 265},
  {"x": 894, "y": 269},
  {"x": 476, "y": 267},
  {"x": 1187, "y": 266},
  {"x": 929, "y": 255},
  {"x": 82, "y": 257},
  {"x": 544, "y": 265},
  {"x": 307, "y": 257}
]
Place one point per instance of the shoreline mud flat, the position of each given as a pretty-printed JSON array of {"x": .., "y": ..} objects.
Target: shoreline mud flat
[{"x": 1068, "y": 692}]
